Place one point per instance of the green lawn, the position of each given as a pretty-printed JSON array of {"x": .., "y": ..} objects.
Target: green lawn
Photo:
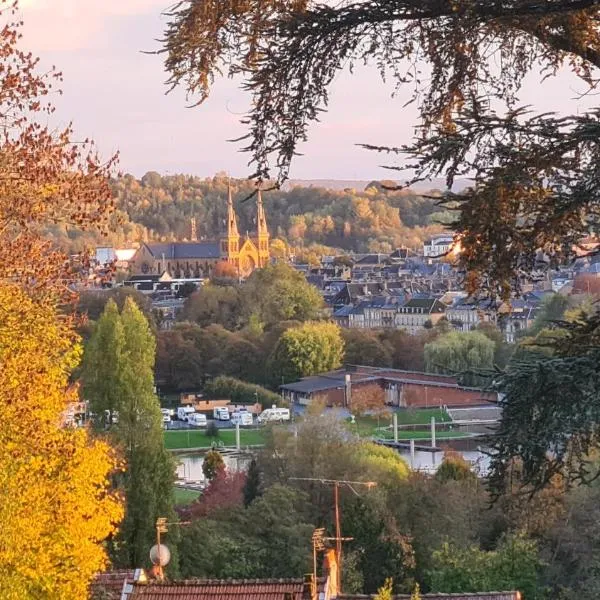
[
  {"x": 184, "y": 497},
  {"x": 368, "y": 426},
  {"x": 193, "y": 438}
]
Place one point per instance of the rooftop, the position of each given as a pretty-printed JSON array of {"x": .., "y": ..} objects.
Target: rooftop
[
  {"x": 221, "y": 589},
  {"x": 440, "y": 596},
  {"x": 182, "y": 250}
]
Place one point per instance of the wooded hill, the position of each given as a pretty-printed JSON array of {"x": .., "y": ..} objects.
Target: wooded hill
[{"x": 374, "y": 219}]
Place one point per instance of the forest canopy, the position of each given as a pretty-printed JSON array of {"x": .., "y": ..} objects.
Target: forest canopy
[{"x": 159, "y": 207}]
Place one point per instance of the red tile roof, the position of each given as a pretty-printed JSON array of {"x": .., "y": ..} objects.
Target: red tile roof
[
  {"x": 221, "y": 589},
  {"x": 440, "y": 596},
  {"x": 109, "y": 585}
]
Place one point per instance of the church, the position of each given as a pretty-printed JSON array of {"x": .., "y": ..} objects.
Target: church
[{"x": 198, "y": 259}]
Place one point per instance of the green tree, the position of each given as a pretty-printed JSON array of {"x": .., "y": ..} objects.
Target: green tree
[
  {"x": 252, "y": 487},
  {"x": 118, "y": 377},
  {"x": 515, "y": 565},
  {"x": 214, "y": 304},
  {"x": 213, "y": 464},
  {"x": 240, "y": 392},
  {"x": 269, "y": 539},
  {"x": 365, "y": 348},
  {"x": 280, "y": 293},
  {"x": 102, "y": 366},
  {"x": 460, "y": 352},
  {"x": 550, "y": 313},
  {"x": 312, "y": 348}
]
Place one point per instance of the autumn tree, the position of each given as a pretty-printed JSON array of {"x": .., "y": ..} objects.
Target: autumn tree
[
  {"x": 312, "y": 348},
  {"x": 225, "y": 270},
  {"x": 118, "y": 380},
  {"x": 213, "y": 464},
  {"x": 55, "y": 507}
]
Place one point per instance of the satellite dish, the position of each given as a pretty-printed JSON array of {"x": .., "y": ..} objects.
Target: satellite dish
[{"x": 161, "y": 558}]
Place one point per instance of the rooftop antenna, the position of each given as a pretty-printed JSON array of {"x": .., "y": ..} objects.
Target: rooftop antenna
[
  {"x": 160, "y": 555},
  {"x": 336, "y": 483}
]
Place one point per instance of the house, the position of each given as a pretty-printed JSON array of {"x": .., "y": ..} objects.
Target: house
[
  {"x": 109, "y": 585},
  {"x": 143, "y": 588},
  {"x": 438, "y": 245},
  {"x": 440, "y": 596},
  {"x": 402, "y": 389},
  {"x": 413, "y": 315}
]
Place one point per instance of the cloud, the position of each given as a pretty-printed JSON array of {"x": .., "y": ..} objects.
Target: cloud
[{"x": 67, "y": 25}]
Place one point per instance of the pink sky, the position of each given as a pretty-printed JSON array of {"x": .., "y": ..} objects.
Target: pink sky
[{"x": 115, "y": 94}]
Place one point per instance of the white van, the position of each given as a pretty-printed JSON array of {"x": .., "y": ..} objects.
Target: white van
[
  {"x": 184, "y": 411},
  {"x": 197, "y": 420},
  {"x": 242, "y": 417},
  {"x": 221, "y": 413},
  {"x": 274, "y": 414}
]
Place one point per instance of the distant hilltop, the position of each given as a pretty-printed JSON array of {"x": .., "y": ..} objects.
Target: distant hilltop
[{"x": 357, "y": 184}]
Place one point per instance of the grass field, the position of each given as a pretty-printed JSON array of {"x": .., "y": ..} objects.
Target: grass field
[
  {"x": 192, "y": 438},
  {"x": 184, "y": 497},
  {"x": 368, "y": 426}
]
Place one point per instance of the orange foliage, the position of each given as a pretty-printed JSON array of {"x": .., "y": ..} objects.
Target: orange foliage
[
  {"x": 370, "y": 398},
  {"x": 56, "y": 507},
  {"x": 55, "y": 503},
  {"x": 225, "y": 269}
]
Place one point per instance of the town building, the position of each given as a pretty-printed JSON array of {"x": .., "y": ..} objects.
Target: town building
[
  {"x": 397, "y": 388},
  {"x": 197, "y": 259},
  {"x": 418, "y": 313},
  {"x": 438, "y": 245}
]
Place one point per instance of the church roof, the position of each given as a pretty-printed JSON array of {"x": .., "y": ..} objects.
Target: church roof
[{"x": 182, "y": 250}]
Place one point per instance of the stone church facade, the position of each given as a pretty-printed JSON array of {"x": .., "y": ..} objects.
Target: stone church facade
[{"x": 198, "y": 259}]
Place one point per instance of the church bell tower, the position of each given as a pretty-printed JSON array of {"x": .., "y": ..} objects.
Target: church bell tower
[
  {"x": 230, "y": 243},
  {"x": 262, "y": 234}
]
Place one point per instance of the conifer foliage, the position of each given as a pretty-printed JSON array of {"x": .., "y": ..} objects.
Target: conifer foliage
[{"x": 118, "y": 380}]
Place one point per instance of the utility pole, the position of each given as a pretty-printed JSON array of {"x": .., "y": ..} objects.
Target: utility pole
[{"x": 336, "y": 499}]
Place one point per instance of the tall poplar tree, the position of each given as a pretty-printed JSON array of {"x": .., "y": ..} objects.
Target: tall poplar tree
[{"x": 119, "y": 377}]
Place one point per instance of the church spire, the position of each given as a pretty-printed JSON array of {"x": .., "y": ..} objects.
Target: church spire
[
  {"x": 232, "y": 230},
  {"x": 262, "y": 231},
  {"x": 261, "y": 220}
]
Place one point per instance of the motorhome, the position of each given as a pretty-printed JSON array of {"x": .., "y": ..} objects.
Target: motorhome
[
  {"x": 243, "y": 418},
  {"x": 166, "y": 415},
  {"x": 197, "y": 420},
  {"x": 184, "y": 411},
  {"x": 274, "y": 414},
  {"x": 221, "y": 413}
]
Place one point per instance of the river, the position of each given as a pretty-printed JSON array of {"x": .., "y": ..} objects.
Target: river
[{"x": 190, "y": 465}]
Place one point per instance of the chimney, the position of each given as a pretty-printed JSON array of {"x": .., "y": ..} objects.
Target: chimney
[
  {"x": 331, "y": 569},
  {"x": 309, "y": 588}
]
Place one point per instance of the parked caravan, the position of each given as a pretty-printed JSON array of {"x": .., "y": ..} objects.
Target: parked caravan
[
  {"x": 221, "y": 413},
  {"x": 274, "y": 414},
  {"x": 243, "y": 418},
  {"x": 197, "y": 420},
  {"x": 184, "y": 411}
]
